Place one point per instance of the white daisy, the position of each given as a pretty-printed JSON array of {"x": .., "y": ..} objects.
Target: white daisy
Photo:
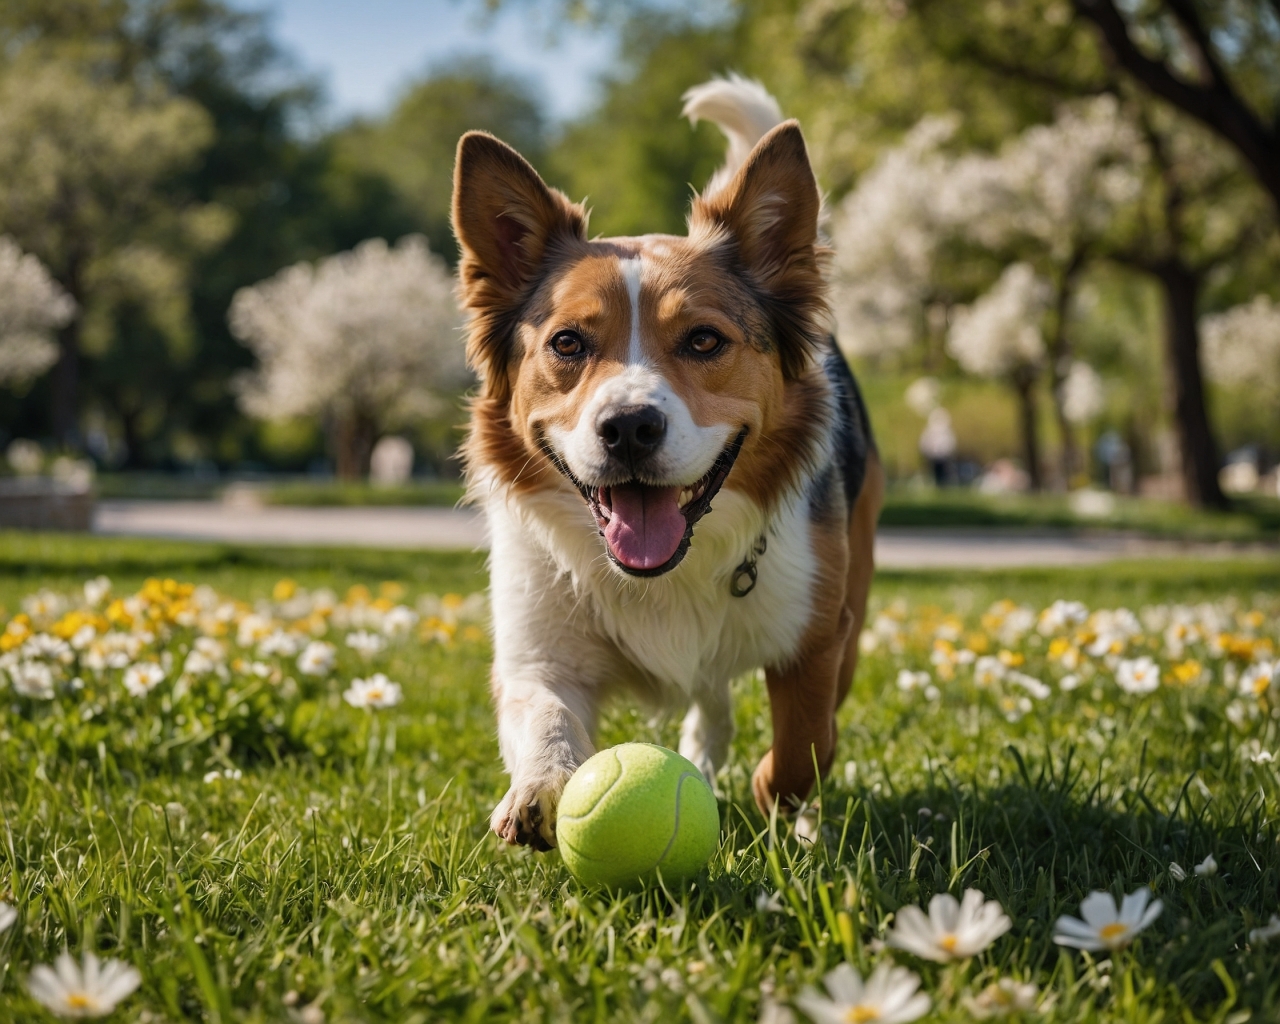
[
  {"x": 953, "y": 930},
  {"x": 143, "y": 677},
  {"x": 1138, "y": 675},
  {"x": 1267, "y": 932},
  {"x": 317, "y": 658},
  {"x": 399, "y": 620},
  {"x": 988, "y": 670},
  {"x": 1105, "y": 927},
  {"x": 96, "y": 589},
  {"x": 889, "y": 996},
  {"x": 32, "y": 679},
  {"x": 1002, "y": 998},
  {"x": 1031, "y": 684},
  {"x": 1254, "y": 680},
  {"x": 93, "y": 989},
  {"x": 1177, "y": 872},
  {"x": 8, "y": 915},
  {"x": 908, "y": 680},
  {"x": 365, "y": 644},
  {"x": 279, "y": 644},
  {"x": 375, "y": 692}
]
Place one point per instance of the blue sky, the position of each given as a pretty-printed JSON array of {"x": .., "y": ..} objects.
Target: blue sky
[{"x": 367, "y": 50}]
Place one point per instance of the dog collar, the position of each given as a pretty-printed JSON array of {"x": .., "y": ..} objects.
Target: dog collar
[{"x": 743, "y": 580}]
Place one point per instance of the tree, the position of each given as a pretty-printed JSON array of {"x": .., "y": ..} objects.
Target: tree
[
  {"x": 1213, "y": 61},
  {"x": 999, "y": 336},
  {"x": 413, "y": 148},
  {"x": 885, "y": 236},
  {"x": 81, "y": 161},
  {"x": 369, "y": 338},
  {"x": 32, "y": 307}
]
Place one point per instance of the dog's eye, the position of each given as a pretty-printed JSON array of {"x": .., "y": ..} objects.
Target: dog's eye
[
  {"x": 704, "y": 342},
  {"x": 568, "y": 344}
]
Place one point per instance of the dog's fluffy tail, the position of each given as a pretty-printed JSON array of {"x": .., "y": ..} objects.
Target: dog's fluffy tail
[{"x": 739, "y": 107}]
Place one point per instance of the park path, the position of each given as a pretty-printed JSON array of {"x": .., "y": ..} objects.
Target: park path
[{"x": 451, "y": 529}]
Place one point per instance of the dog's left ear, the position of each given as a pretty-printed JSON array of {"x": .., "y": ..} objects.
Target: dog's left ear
[{"x": 771, "y": 210}]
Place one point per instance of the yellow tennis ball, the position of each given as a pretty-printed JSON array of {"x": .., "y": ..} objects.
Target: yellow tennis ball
[{"x": 633, "y": 812}]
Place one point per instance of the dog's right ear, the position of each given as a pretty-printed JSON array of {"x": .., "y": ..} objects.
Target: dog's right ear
[{"x": 507, "y": 221}]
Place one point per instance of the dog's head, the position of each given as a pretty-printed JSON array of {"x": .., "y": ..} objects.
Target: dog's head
[{"x": 649, "y": 372}]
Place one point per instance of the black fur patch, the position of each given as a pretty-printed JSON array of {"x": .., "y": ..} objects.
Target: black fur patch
[{"x": 854, "y": 441}]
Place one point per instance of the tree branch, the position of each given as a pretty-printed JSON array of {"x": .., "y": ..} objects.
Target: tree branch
[{"x": 1217, "y": 105}]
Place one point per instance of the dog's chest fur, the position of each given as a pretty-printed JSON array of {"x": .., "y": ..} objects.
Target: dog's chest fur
[{"x": 671, "y": 636}]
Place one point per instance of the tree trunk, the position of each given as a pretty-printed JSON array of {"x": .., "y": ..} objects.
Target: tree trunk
[
  {"x": 64, "y": 410},
  {"x": 1024, "y": 382},
  {"x": 353, "y": 436},
  {"x": 1197, "y": 447},
  {"x": 1060, "y": 366}
]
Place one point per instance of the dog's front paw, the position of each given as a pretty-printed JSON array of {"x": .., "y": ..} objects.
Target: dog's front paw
[{"x": 527, "y": 814}]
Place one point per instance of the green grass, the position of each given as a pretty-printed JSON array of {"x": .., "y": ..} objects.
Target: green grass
[
  {"x": 391, "y": 902},
  {"x": 1250, "y": 519}
]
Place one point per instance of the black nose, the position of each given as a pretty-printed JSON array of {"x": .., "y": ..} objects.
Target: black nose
[{"x": 633, "y": 434}]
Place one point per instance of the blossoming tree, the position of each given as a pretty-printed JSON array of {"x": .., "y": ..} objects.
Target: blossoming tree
[
  {"x": 1000, "y": 336},
  {"x": 32, "y": 307},
  {"x": 367, "y": 339}
]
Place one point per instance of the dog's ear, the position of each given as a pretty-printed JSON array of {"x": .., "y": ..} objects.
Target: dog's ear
[
  {"x": 507, "y": 222},
  {"x": 770, "y": 210}
]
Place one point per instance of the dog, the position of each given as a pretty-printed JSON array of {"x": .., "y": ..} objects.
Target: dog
[{"x": 676, "y": 463}]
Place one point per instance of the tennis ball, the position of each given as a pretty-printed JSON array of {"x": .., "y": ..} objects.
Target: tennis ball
[{"x": 634, "y": 811}]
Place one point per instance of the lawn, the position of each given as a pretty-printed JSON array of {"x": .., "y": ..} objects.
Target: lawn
[{"x": 337, "y": 867}]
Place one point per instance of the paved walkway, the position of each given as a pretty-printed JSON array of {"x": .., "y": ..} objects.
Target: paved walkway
[{"x": 446, "y": 529}]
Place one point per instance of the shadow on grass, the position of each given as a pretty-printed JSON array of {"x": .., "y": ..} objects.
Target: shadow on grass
[{"x": 1039, "y": 845}]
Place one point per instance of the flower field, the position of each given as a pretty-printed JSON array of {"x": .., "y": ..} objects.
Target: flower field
[{"x": 258, "y": 790}]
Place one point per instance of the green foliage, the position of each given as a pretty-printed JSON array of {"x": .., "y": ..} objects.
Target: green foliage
[
  {"x": 413, "y": 148},
  {"x": 632, "y": 159}
]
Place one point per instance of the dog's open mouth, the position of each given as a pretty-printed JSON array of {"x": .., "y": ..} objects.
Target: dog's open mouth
[{"x": 647, "y": 528}]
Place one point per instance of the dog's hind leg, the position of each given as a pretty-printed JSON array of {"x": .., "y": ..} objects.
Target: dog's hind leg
[{"x": 707, "y": 730}]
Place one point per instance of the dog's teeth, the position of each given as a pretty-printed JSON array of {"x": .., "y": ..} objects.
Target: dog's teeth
[{"x": 686, "y": 496}]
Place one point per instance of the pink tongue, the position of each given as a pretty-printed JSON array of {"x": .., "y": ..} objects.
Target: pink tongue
[{"x": 645, "y": 525}]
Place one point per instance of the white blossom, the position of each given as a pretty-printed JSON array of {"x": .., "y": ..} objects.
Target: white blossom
[
  {"x": 373, "y": 332},
  {"x": 1000, "y": 332},
  {"x": 32, "y": 307},
  {"x": 1242, "y": 344},
  {"x": 1083, "y": 398},
  {"x": 8, "y": 915}
]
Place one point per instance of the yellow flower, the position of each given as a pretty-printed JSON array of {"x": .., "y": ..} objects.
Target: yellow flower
[
  {"x": 284, "y": 589},
  {"x": 977, "y": 642},
  {"x": 1010, "y": 659},
  {"x": 1187, "y": 671}
]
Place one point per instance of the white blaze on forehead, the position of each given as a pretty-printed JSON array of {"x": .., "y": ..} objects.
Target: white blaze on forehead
[{"x": 632, "y": 271}]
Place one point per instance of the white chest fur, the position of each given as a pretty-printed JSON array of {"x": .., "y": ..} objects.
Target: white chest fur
[{"x": 556, "y": 595}]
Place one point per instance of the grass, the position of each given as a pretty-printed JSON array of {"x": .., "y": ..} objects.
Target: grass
[
  {"x": 349, "y": 869},
  {"x": 1250, "y": 519}
]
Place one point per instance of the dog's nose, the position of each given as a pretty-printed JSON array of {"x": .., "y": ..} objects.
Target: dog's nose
[{"x": 633, "y": 434}]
